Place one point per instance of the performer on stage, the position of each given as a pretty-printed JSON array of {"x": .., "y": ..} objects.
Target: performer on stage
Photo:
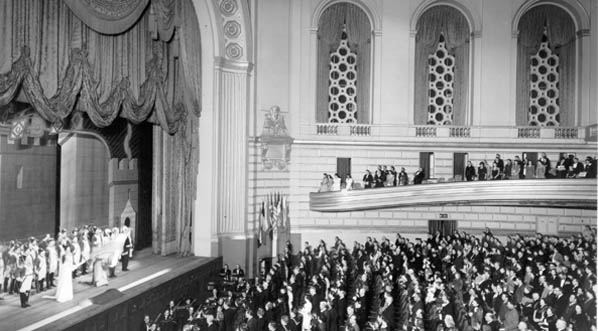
[
  {"x": 27, "y": 278},
  {"x": 64, "y": 289},
  {"x": 127, "y": 249},
  {"x": 52, "y": 262}
]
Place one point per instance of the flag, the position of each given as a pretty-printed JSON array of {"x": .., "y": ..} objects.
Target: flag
[
  {"x": 18, "y": 129},
  {"x": 260, "y": 232}
]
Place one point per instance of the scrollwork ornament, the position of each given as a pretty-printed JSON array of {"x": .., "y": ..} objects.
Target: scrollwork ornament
[
  {"x": 228, "y": 7},
  {"x": 234, "y": 51},
  {"x": 232, "y": 29}
]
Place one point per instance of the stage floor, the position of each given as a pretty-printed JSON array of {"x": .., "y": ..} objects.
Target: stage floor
[{"x": 145, "y": 271}]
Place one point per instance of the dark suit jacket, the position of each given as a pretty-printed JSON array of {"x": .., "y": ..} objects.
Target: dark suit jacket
[{"x": 252, "y": 324}]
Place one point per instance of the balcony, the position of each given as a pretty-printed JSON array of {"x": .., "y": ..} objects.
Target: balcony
[
  {"x": 549, "y": 193},
  {"x": 384, "y": 132}
]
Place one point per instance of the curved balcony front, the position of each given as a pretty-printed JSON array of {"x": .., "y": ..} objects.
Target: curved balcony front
[{"x": 549, "y": 193}]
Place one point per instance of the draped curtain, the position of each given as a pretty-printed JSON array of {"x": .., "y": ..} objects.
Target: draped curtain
[
  {"x": 456, "y": 31},
  {"x": 359, "y": 33},
  {"x": 560, "y": 30},
  {"x": 59, "y": 65}
]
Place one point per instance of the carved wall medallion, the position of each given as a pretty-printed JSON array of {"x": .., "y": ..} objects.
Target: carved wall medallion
[
  {"x": 234, "y": 51},
  {"x": 232, "y": 29},
  {"x": 228, "y": 7}
]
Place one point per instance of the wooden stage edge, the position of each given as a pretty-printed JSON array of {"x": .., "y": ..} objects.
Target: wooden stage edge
[{"x": 151, "y": 282}]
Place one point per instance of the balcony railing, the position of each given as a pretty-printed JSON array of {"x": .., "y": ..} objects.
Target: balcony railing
[
  {"x": 391, "y": 132},
  {"x": 566, "y": 133},
  {"x": 327, "y": 129},
  {"x": 425, "y": 131},
  {"x": 460, "y": 132},
  {"x": 528, "y": 132}
]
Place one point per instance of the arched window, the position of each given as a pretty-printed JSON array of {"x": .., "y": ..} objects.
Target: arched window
[
  {"x": 441, "y": 67},
  {"x": 546, "y": 68},
  {"x": 344, "y": 65}
]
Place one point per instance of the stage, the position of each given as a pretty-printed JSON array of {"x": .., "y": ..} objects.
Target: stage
[{"x": 151, "y": 281}]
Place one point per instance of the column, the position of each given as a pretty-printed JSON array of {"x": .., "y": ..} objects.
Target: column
[{"x": 231, "y": 182}]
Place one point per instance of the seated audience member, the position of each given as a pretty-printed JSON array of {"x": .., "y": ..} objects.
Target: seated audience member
[
  {"x": 379, "y": 178},
  {"x": 540, "y": 170},
  {"x": 419, "y": 176},
  {"x": 561, "y": 168},
  {"x": 529, "y": 170},
  {"x": 575, "y": 169},
  {"x": 368, "y": 180},
  {"x": 482, "y": 171},
  {"x": 496, "y": 172},
  {"x": 336, "y": 183},
  {"x": 508, "y": 169},
  {"x": 348, "y": 183},
  {"x": 324, "y": 184},
  {"x": 470, "y": 172},
  {"x": 403, "y": 177},
  {"x": 391, "y": 176},
  {"x": 590, "y": 167}
]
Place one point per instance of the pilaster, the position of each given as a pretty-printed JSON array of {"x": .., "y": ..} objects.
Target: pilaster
[{"x": 231, "y": 183}]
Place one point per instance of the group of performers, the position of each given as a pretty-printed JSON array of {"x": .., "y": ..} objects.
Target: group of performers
[{"x": 36, "y": 264}]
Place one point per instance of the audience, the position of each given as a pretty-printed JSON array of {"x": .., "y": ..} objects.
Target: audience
[
  {"x": 446, "y": 282},
  {"x": 386, "y": 176}
]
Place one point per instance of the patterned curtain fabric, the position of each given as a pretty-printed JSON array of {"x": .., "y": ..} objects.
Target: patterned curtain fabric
[
  {"x": 165, "y": 18},
  {"x": 62, "y": 65},
  {"x": 359, "y": 33},
  {"x": 190, "y": 55},
  {"x": 561, "y": 37},
  {"x": 455, "y": 28},
  {"x": 108, "y": 17}
]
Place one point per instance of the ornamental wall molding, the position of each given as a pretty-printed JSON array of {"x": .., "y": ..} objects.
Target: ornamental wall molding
[{"x": 234, "y": 28}]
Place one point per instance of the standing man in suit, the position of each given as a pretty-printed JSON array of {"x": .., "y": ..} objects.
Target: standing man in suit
[
  {"x": 251, "y": 321},
  {"x": 127, "y": 248}
]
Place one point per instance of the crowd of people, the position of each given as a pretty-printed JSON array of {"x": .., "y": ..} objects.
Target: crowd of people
[
  {"x": 516, "y": 168},
  {"x": 42, "y": 264},
  {"x": 447, "y": 282}
]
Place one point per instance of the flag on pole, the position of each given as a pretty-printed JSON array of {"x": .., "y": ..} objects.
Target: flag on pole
[{"x": 260, "y": 230}]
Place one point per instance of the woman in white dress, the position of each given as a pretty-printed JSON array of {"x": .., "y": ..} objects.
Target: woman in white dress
[{"x": 64, "y": 289}]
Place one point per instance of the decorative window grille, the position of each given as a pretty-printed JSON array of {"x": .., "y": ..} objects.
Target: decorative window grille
[
  {"x": 342, "y": 88},
  {"x": 441, "y": 69},
  {"x": 544, "y": 92}
]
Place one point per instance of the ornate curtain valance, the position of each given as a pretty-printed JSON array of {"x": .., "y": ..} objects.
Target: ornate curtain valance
[
  {"x": 58, "y": 63},
  {"x": 108, "y": 17},
  {"x": 78, "y": 87}
]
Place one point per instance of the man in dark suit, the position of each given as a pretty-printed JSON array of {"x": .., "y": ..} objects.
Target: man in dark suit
[
  {"x": 229, "y": 316},
  {"x": 251, "y": 321},
  {"x": 419, "y": 176},
  {"x": 284, "y": 324},
  {"x": 560, "y": 304}
]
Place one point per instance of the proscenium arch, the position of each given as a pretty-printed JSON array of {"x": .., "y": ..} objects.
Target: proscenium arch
[
  {"x": 369, "y": 8},
  {"x": 574, "y": 8},
  {"x": 472, "y": 16}
]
